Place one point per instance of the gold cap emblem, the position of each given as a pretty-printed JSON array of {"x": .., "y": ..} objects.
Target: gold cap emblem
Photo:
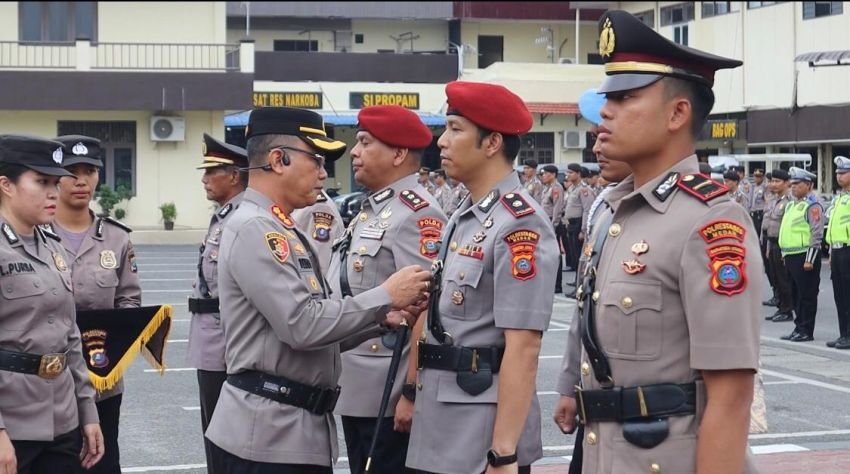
[{"x": 606, "y": 39}]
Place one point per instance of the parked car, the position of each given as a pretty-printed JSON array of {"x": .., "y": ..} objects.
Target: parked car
[{"x": 349, "y": 205}]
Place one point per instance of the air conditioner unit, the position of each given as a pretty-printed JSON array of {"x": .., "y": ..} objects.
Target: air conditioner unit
[
  {"x": 574, "y": 139},
  {"x": 168, "y": 129}
]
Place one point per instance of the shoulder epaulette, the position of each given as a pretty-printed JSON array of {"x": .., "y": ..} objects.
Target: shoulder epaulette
[
  {"x": 118, "y": 224},
  {"x": 517, "y": 206},
  {"x": 47, "y": 231},
  {"x": 702, "y": 187},
  {"x": 322, "y": 198},
  {"x": 413, "y": 200}
]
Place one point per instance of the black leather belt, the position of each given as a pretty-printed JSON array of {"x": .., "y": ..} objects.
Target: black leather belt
[
  {"x": 757, "y": 212},
  {"x": 634, "y": 403},
  {"x": 460, "y": 359},
  {"x": 316, "y": 400},
  {"x": 47, "y": 366},
  {"x": 203, "y": 305}
]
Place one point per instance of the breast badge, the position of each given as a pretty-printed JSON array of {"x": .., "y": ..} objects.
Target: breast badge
[
  {"x": 108, "y": 260},
  {"x": 59, "y": 261}
]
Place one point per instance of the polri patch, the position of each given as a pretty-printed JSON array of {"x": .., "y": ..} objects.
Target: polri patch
[
  {"x": 429, "y": 236},
  {"x": 278, "y": 245},
  {"x": 728, "y": 270},
  {"x": 718, "y": 230},
  {"x": 322, "y": 222},
  {"x": 523, "y": 244}
]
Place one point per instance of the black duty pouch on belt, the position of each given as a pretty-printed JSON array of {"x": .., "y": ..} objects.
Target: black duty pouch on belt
[
  {"x": 475, "y": 383},
  {"x": 390, "y": 339},
  {"x": 646, "y": 433}
]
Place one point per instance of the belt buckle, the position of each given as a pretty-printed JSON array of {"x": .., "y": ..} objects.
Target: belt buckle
[
  {"x": 51, "y": 366},
  {"x": 582, "y": 416}
]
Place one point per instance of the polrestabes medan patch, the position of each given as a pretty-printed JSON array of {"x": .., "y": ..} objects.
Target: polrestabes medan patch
[
  {"x": 16, "y": 267},
  {"x": 522, "y": 244},
  {"x": 517, "y": 205},
  {"x": 718, "y": 230},
  {"x": 702, "y": 187},
  {"x": 728, "y": 270}
]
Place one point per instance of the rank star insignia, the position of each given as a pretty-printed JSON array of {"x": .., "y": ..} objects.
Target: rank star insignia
[
  {"x": 282, "y": 216},
  {"x": 59, "y": 261},
  {"x": 108, "y": 260},
  {"x": 640, "y": 248},
  {"x": 314, "y": 284}
]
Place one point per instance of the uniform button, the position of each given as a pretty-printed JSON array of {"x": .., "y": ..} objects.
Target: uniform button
[
  {"x": 362, "y": 249},
  {"x": 36, "y": 284},
  {"x": 591, "y": 438},
  {"x": 627, "y": 302},
  {"x": 585, "y": 369},
  {"x": 453, "y": 246},
  {"x": 419, "y": 386},
  {"x": 655, "y": 469},
  {"x": 50, "y": 320},
  {"x": 595, "y": 296},
  {"x": 615, "y": 230},
  {"x": 462, "y": 275},
  {"x": 55, "y": 292},
  {"x": 374, "y": 348}
]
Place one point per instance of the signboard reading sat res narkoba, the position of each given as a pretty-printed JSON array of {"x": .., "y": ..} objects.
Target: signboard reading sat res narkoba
[
  {"x": 359, "y": 100},
  {"x": 301, "y": 100}
]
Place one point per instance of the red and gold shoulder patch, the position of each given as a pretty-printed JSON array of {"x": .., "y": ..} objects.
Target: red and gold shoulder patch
[
  {"x": 517, "y": 206},
  {"x": 728, "y": 270},
  {"x": 282, "y": 216},
  {"x": 702, "y": 187},
  {"x": 523, "y": 244},
  {"x": 718, "y": 230},
  {"x": 278, "y": 245},
  {"x": 413, "y": 200},
  {"x": 429, "y": 236}
]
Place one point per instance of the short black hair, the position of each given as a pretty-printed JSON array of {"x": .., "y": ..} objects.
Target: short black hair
[
  {"x": 257, "y": 147},
  {"x": 12, "y": 171},
  {"x": 731, "y": 176},
  {"x": 512, "y": 143},
  {"x": 700, "y": 96}
]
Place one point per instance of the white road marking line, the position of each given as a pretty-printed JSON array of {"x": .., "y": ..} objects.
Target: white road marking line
[
  {"x": 176, "y": 369},
  {"x": 799, "y": 434},
  {"x": 560, "y": 325},
  {"x": 191, "y": 408},
  {"x": 542, "y": 394},
  {"x": 143, "y": 265},
  {"x": 782, "y": 382},
  {"x": 178, "y": 340},
  {"x": 173, "y": 467},
  {"x": 166, "y": 279},
  {"x": 777, "y": 448},
  {"x": 550, "y": 357},
  {"x": 187, "y": 291},
  {"x": 817, "y": 345},
  {"x": 815, "y": 383}
]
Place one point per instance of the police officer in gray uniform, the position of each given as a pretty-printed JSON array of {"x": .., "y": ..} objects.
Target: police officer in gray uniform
[
  {"x": 323, "y": 225},
  {"x": 224, "y": 184},
  {"x": 399, "y": 225},
  {"x": 476, "y": 407},
  {"x": 282, "y": 333},
  {"x": 442, "y": 191},
  {"x": 103, "y": 267},
  {"x": 48, "y": 418},
  {"x": 773, "y": 254},
  {"x": 552, "y": 200}
]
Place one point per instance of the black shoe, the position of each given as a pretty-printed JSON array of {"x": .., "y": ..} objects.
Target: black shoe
[
  {"x": 782, "y": 317},
  {"x": 793, "y": 334},
  {"x": 558, "y": 291},
  {"x": 771, "y": 302},
  {"x": 842, "y": 343},
  {"x": 802, "y": 338},
  {"x": 571, "y": 294},
  {"x": 770, "y": 317},
  {"x": 833, "y": 343}
]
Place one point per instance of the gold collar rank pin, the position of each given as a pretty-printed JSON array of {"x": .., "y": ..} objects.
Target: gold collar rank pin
[{"x": 108, "y": 260}]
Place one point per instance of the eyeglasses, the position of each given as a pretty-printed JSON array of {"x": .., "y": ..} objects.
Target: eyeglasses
[{"x": 318, "y": 158}]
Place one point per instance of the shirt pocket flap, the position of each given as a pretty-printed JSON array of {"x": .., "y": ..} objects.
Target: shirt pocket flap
[
  {"x": 106, "y": 279},
  {"x": 632, "y": 296},
  {"x": 465, "y": 273},
  {"x": 22, "y": 286},
  {"x": 366, "y": 248},
  {"x": 448, "y": 391}
]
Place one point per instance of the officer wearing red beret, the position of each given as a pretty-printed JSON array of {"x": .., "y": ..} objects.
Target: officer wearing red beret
[
  {"x": 476, "y": 408},
  {"x": 399, "y": 225}
]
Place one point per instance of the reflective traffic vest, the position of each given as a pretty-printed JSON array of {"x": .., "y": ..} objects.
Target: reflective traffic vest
[
  {"x": 795, "y": 234},
  {"x": 839, "y": 222}
]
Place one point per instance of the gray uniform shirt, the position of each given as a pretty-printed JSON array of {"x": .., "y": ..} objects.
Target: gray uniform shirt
[
  {"x": 277, "y": 320},
  {"x": 321, "y": 223},
  {"x": 553, "y": 201},
  {"x": 459, "y": 192},
  {"x": 579, "y": 199},
  {"x": 758, "y": 196},
  {"x": 534, "y": 188},
  {"x": 37, "y": 316},
  {"x": 104, "y": 273},
  {"x": 444, "y": 196},
  {"x": 206, "y": 336},
  {"x": 773, "y": 215},
  {"x": 498, "y": 275},
  {"x": 391, "y": 232}
]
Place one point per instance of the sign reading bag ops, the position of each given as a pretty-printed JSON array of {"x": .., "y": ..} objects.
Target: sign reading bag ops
[{"x": 359, "y": 100}]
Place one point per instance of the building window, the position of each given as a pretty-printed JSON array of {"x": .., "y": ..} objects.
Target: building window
[
  {"x": 752, "y": 5},
  {"x": 539, "y": 146},
  {"x": 490, "y": 50},
  {"x": 679, "y": 13},
  {"x": 118, "y": 143},
  {"x": 358, "y": 38},
  {"x": 647, "y": 17},
  {"x": 680, "y": 34},
  {"x": 296, "y": 45},
  {"x": 710, "y": 9},
  {"x": 819, "y": 9},
  {"x": 60, "y": 22}
]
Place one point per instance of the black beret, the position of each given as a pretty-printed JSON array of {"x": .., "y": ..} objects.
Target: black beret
[
  {"x": 38, "y": 154},
  {"x": 440, "y": 172},
  {"x": 781, "y": 174},
  {"x": 705, "y": 168},
  {"x": 731, "y": 175},
  {"x": 768, "y": 175},
  {"x": 302, "y": 123},
  {"x": 584, "y": 173},
  {"x": 424, "y": 170},
  {"x": 218, "y": 153},
  {"x": 531, "y": 163},
  {"x": 551, "y": 169},
  {"x": 574, "y": 167},
  {"x": 81, "y": 149}
]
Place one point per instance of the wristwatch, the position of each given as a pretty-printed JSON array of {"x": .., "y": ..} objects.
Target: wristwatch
[
  {"x": 408, "y": 391},
  {"x": 496, "y": 460}
]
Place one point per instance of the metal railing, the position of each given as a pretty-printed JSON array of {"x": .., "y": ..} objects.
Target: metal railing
[
  {"x": 165, "y": 56},
  {"x": 37, "y": 55}
]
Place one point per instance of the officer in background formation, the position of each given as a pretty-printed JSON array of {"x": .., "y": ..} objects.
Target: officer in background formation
[
  {"x": 48, "y": 417},
  {"x": 103, "y": 267},
  {"x": 732, "y": 181},
  {"x": 224, "y": 183},
  {"x": 666, "y": 374},
  {"x": 399, "y": 225},
  {"x": 838, "y": 238},
  {"x": 442, "y": 191},
  {"x": 745, "y": 184},
  {"x": 800, "y": 236},
  {"x": 323, "y": 225},
  {"x": 282, "y": 333},
  {"x": 553, "y": 205},
  {"x": 530, "y": 180},
  {"x": 425, "y": 179},
  {"x": 476, "y": 409},
  {"x": 778, "y": 272},
  {"x": 459, "y": 193},
  {"x": 579, "y": 199},
  {"x": 757, "y": 199}
]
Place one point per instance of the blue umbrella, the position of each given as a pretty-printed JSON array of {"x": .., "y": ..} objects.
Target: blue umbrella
[{"x": 589, "y": 104}]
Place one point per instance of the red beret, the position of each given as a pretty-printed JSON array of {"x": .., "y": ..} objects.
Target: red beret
[
  {"x": 395, "y": 126},
  {"x": 489, "y": 106}
]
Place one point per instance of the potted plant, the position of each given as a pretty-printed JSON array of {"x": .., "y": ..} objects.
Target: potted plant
[
  {"x": 169, "y": 213},
  {"x": 108, "y": 198}
]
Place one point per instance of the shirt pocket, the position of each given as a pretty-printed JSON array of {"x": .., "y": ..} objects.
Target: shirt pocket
[
  {"x": 677, "y": 454},
  {"x": 630, "y": 323},
  {"x": 364, "y": 256},
  {"x": 106, "y": 278},
  {"x": 18, "y": 313},
  {"x": 462, "y": 278}
]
